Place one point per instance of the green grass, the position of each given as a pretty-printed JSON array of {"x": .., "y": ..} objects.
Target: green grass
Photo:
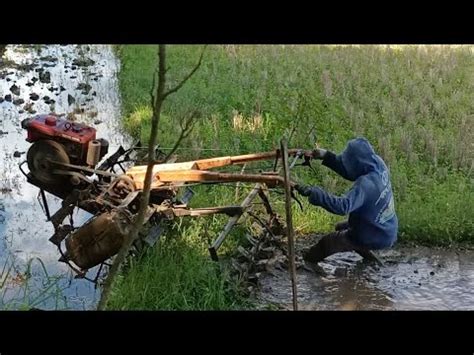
[
  {"x": 18, "y": 293},
  {"x": 174, "y": 276},
  {"x": 414, "y": 103}
]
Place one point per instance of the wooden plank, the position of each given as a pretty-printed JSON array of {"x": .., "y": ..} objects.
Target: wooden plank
[
  {"x": 210, "y": 163},
  {"x": 204, "y": 164},
  {"x": 289, "y": 221},
  {"x": 187, "y": 165},
  {"x": 209, "y": 176}
]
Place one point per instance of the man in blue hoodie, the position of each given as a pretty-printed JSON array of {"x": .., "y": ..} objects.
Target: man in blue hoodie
[{"x": 373, "y": 223}]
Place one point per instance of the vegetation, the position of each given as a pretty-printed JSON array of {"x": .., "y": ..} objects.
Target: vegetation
[{"x": 414, "y": 103}]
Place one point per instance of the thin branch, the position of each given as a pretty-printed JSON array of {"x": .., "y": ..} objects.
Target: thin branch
[
  {"x": 153, "y": 85},
  {"x": 187, "y": 125},
  {"x": 186, "y": 78}
]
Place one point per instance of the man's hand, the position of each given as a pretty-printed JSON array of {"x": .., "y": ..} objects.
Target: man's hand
[
  {"x": 317, "y": 153},
  {"x": 303, "y": 190}
]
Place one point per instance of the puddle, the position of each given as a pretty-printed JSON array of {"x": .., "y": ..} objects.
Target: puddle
[
  {"x": 412, "y": 278},
  {"x": 75, "y": 80}
]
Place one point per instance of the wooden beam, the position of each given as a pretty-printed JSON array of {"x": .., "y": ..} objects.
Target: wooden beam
[{"x": 209, "y": 176}]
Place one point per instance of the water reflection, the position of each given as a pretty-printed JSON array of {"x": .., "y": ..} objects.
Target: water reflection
[{"x": 78, "y": 81}]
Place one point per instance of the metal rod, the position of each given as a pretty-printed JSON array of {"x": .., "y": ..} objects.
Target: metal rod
[
  {"x": 45, "y": 204},
  {"x": 232, "y": 221},
  {"x": 289, "y": 221}
]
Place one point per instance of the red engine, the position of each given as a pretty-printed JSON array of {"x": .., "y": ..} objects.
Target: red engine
[{"x": 77, "y": 139}]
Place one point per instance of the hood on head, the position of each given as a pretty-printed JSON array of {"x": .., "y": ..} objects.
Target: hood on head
[{"x": 359, "y": 158}]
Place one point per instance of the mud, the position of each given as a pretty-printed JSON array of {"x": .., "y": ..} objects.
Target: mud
[{"x": 412, "y": 278}]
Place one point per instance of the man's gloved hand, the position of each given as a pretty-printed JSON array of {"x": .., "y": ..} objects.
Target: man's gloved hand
[{"x": 303, "y": 190}]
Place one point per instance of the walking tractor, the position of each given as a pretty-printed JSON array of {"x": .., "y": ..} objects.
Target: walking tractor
[{"x": 67, "y": 160}]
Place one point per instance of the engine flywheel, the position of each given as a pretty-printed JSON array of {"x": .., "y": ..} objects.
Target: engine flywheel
[{"x": 39, "y": 157}]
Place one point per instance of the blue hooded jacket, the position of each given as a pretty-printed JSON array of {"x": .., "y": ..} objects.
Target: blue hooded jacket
[{"x": 369, "y": 202}]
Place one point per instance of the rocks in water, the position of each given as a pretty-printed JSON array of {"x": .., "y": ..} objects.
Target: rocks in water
[
  {"x": 45, "y": 77},
  {"x": 73, "y": 67},
  {"x": 97, "y": 122},
  {"x": 21, "y": 111},
  {"x": 47, "y": 100},
  {"x": 34, "y": 80},
  {"x": 8, "y": 98},
  {"x": 1, "y": 99},
  {"x": 340, "y": 272},
  {"x": 432, "y": 273},
  {"x": 94, "y": 93},
  {"x": 29, "y": 108},
  {"x": 34, "y": 96},
  {"x": 84, "y": 87},
  {"x": 92, "y": 114},
  {"x": 61, "y": 88},
  {"x": 18, "y": 102},
  {"x": 70, "y": 99},
  {"x": 73, "y": 77},
  {"x": 82, "y": 62},
  {"x": 8, "y": 79},
  {"x": 15, "y": 89},
  {"x": 29, "y": 84},
  {"x": 25, "y": 67},
  {"x": 18, "y": 154},
  {"x": 415, "y": 271},
  {"x": 49, "y": 58}
]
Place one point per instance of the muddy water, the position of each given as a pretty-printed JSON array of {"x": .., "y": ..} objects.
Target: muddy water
[
  {"x": 412, "y": 278},
  {"x": 81, "y": 81}
]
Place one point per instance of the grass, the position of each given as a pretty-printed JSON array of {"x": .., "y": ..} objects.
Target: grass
[
  {"x": 414, "y": 103},
  {"x": 18, "y": 293},
  {"x": 175, "y": 275}
]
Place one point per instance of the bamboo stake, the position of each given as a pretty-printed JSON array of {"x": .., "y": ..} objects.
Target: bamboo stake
[{"x": 289, "y": 221}]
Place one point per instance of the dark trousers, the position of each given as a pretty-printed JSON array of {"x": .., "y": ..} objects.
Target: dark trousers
[{"x": 336, "y": 242}]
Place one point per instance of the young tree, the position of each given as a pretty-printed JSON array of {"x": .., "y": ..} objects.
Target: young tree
[{"x": 158, "y": 95}]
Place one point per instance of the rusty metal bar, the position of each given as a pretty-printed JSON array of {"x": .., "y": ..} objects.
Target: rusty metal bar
[{"x": 232, "y": 221}]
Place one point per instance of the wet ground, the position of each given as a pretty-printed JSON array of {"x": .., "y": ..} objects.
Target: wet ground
[
  {"x": 412, "y": 278},
  {"x": 80, "y": 82}
]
